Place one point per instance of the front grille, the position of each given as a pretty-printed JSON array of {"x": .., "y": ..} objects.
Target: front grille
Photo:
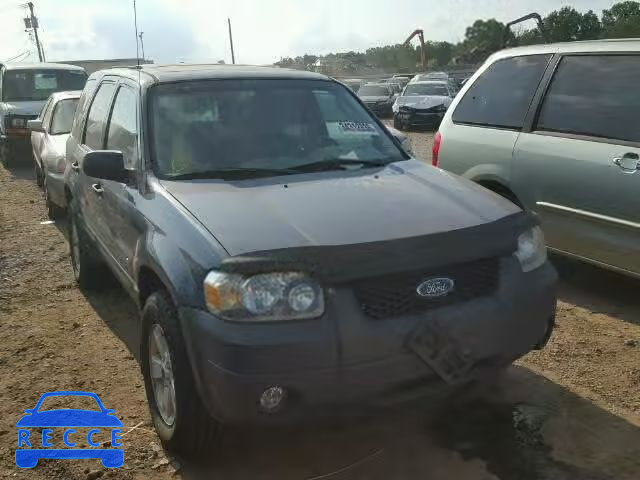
[{"x": 394, "y": 295}]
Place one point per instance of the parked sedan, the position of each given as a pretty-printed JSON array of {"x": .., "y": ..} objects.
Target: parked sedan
[
  {"x": 422, "y": 104},
  {"x": 49, "y": 134},
  {"x": 379, "y": 97}
]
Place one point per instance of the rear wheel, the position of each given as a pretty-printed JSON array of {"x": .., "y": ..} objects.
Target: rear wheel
[
  {"x": 37, "y": 170},
  {"x": 86, "y": 268},
  {"x": 4, "y": 155},
  {"x": 177, "y": 411},
  {"x": 53, "y": 211}
]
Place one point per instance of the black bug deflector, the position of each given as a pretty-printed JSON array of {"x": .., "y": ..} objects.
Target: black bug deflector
[{"x": 342, "y": 263}]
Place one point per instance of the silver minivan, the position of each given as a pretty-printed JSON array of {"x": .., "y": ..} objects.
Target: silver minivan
[{"x": 556, "y": 129}]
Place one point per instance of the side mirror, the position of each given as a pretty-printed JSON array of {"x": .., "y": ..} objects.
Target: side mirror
[
  {"x": 105, "y": 165},
  {"x": 35, "y": 125}
]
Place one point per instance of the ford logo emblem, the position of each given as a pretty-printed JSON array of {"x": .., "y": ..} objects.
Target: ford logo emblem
[{"x": 435, "y": 287}]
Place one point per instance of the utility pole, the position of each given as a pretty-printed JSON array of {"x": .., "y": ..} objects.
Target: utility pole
[
  {"x": 233, "y": 57},
  {"x": 142, "y": 45},
  {"x": 34, "y": 26}
]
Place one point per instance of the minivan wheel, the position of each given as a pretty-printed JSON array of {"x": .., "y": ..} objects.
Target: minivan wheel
[
  {"x": 84, "y": 264},
  {"x": 179, "y": 417}
]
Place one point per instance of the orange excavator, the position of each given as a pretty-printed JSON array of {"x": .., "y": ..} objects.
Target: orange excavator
[{"x": 423, "y": 50}]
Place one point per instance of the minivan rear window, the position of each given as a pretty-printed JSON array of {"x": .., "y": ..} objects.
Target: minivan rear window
[
  {"x": 594, "y": 95},
  {"x": 501, "y": 96}
]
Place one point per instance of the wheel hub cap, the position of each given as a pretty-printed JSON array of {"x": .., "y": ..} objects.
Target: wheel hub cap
[{"x": 161, "y": 372}]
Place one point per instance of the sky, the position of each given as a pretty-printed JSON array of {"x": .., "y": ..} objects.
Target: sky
[{"x": 263, "y": 30}]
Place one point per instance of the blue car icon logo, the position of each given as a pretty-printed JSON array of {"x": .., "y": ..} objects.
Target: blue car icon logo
[{"x": 67, "y": 419}]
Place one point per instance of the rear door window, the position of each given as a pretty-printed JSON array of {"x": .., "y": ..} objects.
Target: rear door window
[
  {"x": 594, "y": 95},
  {"x": 122, "y": 133},
  {"x": 501, "y": 96},
  {"x": 97, "y": 116}
]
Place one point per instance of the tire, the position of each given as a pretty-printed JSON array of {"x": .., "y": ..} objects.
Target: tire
[
  {"x": 191, "y": 431},
  {"x": 87, "y": 269},
  {"x": 397, "y": 124},
  {"x": 4, "y": 156},
  {"x": 39, "y": 174},
  {"x": 54, "y": 212}
]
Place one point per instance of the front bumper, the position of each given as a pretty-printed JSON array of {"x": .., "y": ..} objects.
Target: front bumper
[
  {"x": 419, "y": 118},
  {"x": 345, "y": 360}
]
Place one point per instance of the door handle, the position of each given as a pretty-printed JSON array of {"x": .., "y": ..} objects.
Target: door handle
[
  {"x": 628, "y": 163},
  {"x": 75, "y": 166},
  {"x": 97, "y": 188}
]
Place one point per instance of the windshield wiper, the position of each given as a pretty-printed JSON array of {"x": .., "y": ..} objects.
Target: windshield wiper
[
  {"x": 235, "y": 173},
  {"x": 334, "y": 163}
]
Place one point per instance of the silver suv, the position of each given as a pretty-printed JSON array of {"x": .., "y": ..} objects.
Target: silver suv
[{"x": 556, "y": 129}]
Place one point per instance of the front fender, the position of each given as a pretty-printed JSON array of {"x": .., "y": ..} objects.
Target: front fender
[{"x": 181, "y": 270}]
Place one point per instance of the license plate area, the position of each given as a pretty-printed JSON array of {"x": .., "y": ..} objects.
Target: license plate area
[{"x": 438, "y": 349}]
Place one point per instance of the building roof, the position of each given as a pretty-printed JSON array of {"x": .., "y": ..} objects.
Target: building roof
[
  {"x": 184, "y": 71},
  {"x": 41, "y": 66}
]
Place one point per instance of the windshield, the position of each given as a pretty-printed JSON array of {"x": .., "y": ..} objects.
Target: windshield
[
  {"x": 426, "y": 89},
  {"x": 261, "y": 124},
  {"x": 63, "y": 116},
  {"x": 36, "y": 85},
  {"x": 374, "y": 91}
]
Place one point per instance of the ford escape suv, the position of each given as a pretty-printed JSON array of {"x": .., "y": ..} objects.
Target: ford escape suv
[
  {"x": 287, "y": 255},
  {"x": 554, "y": 128}
]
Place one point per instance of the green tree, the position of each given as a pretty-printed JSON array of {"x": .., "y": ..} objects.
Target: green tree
[
  {"x": 482, "y": 39},
  {"x": 567, "y": 25},
  {"x": 622, "y": 20},
  {"x": 438, "y": 53}
]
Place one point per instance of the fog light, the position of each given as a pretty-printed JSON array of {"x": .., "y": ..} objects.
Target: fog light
[{"x": 272, "y": 399}]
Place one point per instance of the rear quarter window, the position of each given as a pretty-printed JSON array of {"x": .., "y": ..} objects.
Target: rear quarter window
[
  {"x": 501, "y": 96},
  {"x": 594, "y": 95}
]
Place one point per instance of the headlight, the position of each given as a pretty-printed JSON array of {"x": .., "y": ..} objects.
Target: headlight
[
  {"x": 406, "y": 145},
  {"x": 18, "y": 123},
  {"x": 395, "y": 107},
  {"x": 531, "y": 251},
  {"x": 264, "y": 297}
]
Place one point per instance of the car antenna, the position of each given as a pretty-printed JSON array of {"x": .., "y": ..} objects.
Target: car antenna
[
  {"x": 139, "y": 102},
  {"x": 135, "y": 23}
]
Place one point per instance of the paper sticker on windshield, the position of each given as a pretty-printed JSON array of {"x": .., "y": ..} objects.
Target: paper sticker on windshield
[{"x": 358, "y": 127}]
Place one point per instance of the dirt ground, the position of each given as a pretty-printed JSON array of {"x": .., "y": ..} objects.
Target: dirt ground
[{"x": 571, "y": 411}]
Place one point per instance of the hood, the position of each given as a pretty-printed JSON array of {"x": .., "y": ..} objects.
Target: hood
[
  {"x": 404, "y": 199},
  {"x": 423, "y": 101},
  {"x": 58, "y": 144},
  {"x": 368, "y": 98},
  {"x": 22, "y": 108}
]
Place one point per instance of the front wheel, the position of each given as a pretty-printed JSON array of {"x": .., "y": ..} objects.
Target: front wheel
[
  {"x": 177, "y": 411},
  {"x": 397, "y": 123}
]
